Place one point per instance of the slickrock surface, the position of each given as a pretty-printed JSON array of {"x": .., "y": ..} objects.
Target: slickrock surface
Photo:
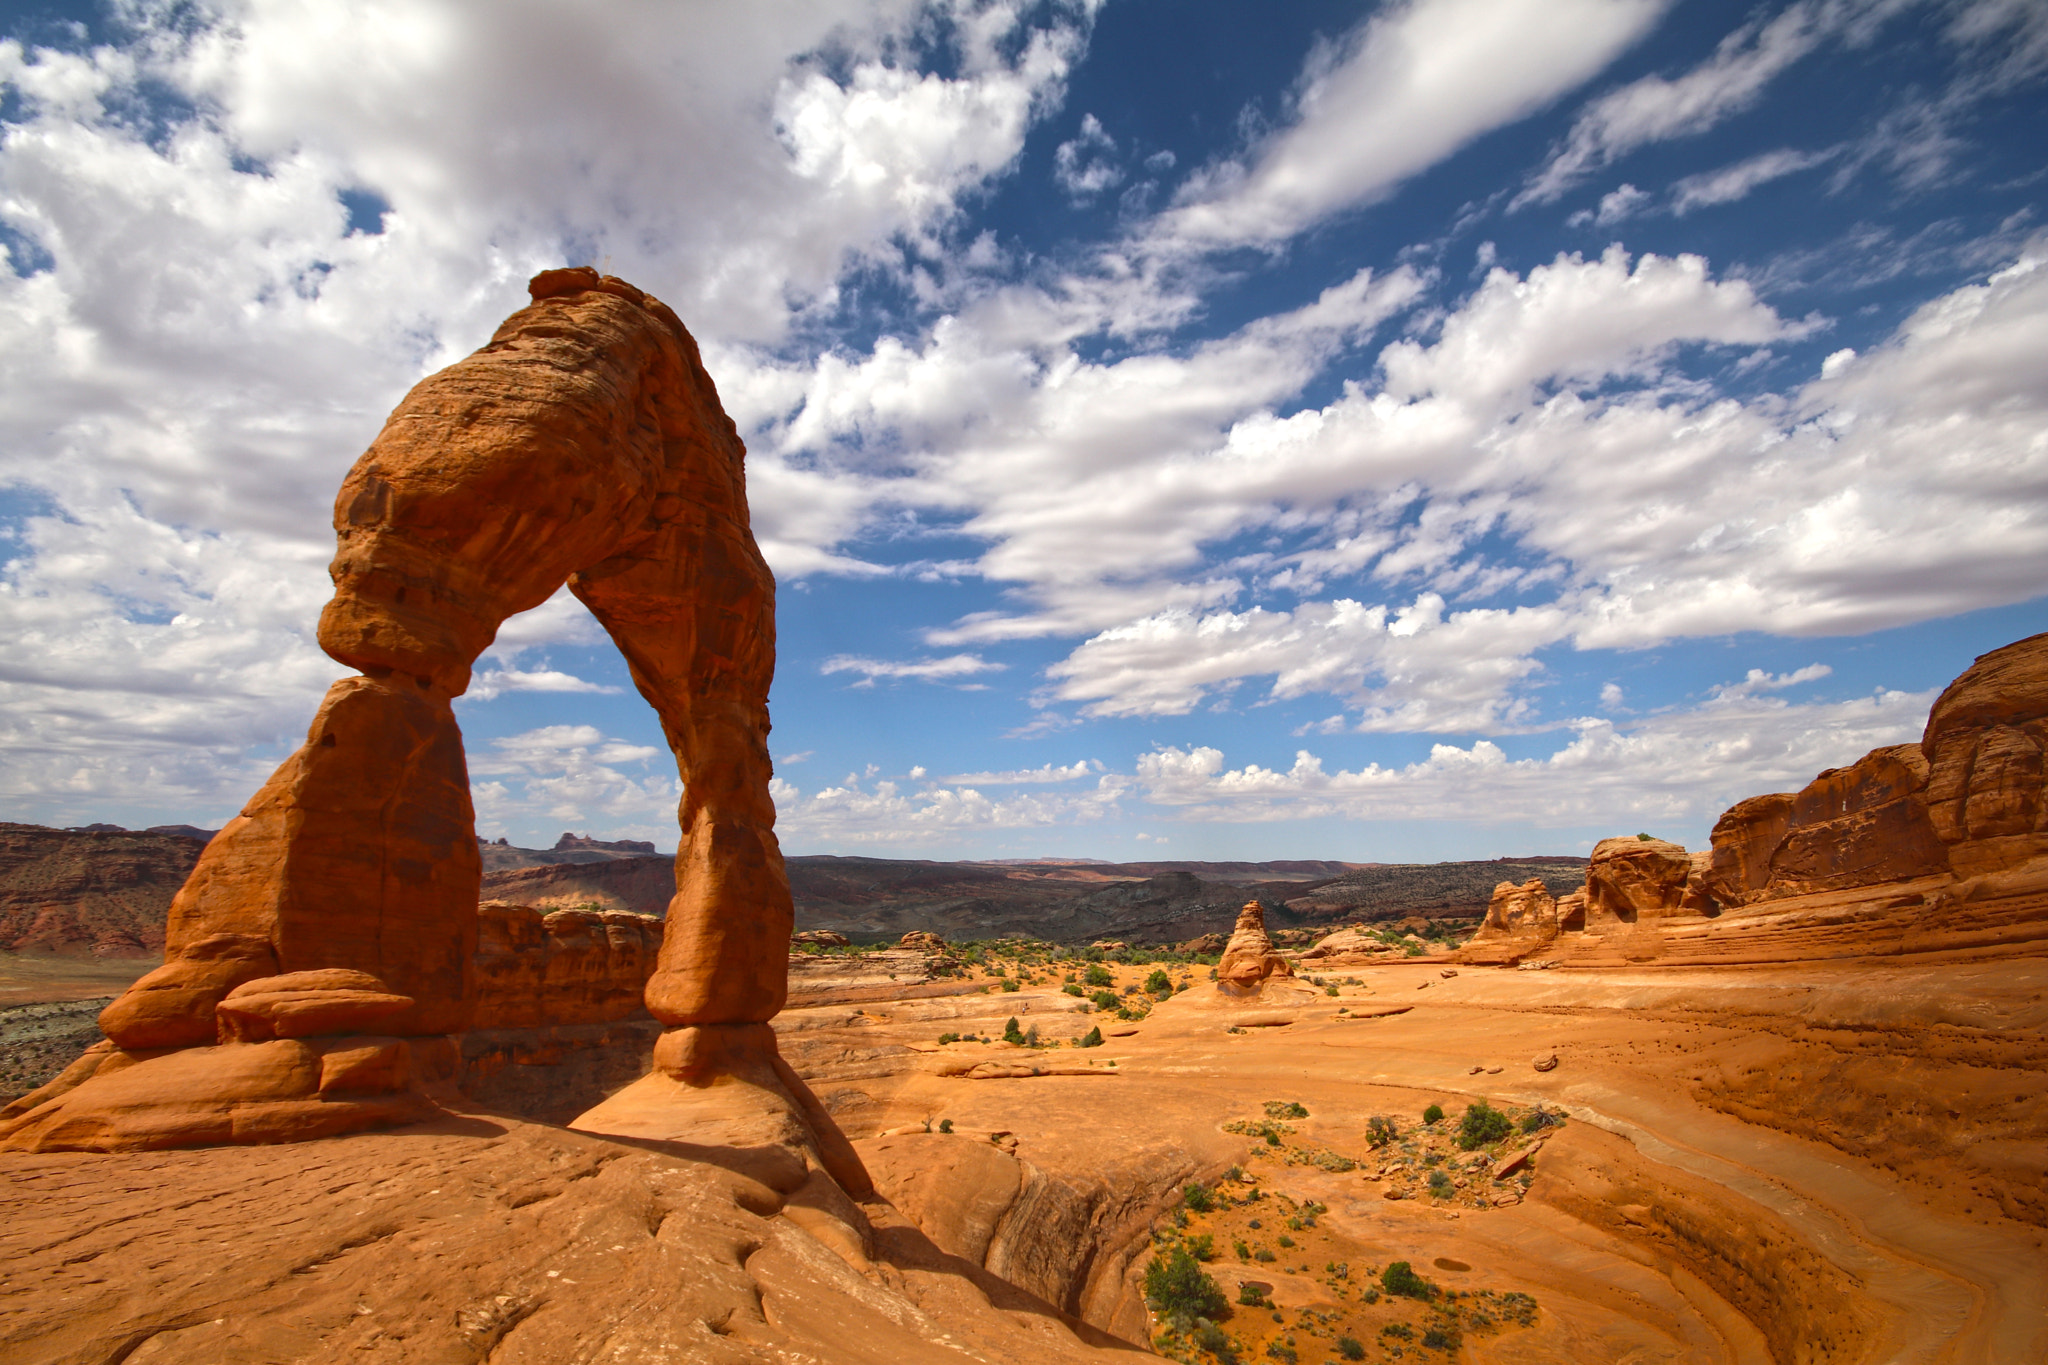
[{"x": 1814, "y": 1163}]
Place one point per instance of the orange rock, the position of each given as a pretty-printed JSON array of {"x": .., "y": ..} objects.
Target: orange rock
[
  {"x": 1631, "y": 879},
  {"x": 1519, "y": 920},
  {"x": 307, "y": 1005},
  {"x": 1743, "y": 840},
  {"x": 173, "y": 1006},
  {"x": 1984, "y": 744},
  {"x": 584, "y": 444},
  {"x": 1859, "y": 826},
  {"x": 1249, "y": 959}
]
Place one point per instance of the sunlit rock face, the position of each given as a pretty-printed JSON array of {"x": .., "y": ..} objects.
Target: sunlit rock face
[{"x": 585, "y": 444}]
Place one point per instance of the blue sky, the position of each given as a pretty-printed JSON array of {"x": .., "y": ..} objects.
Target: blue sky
[{"x": 1429, "y": 430}]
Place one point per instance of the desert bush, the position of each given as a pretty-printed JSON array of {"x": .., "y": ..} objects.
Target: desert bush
[
  {"x": 1031, "y": 1036},
  {"x": 1351, "y": 1348},
  {"x": 1011, "y": 1033},
  {"x": 1234, "y": 1173},
  {"x": 949, "y": 1037},
  {"x": 1092, "y": 1038},
  {"x": 1400, "y": 1280},
  {"x": 1010, "y": 983},
  {"x": 1441, "y": 1338},
  {"x": 1198, "y": 1197},
  {"x": 945, "y": 1125},
  {"x": 1264, "y": 1254},
  {"x": 1379, "y": 1131},
  {"x": 1282, "y": 1352},
  {"x": 1440, "y": 1184},
  {"x": 1538, "y": 1119},
  {"x": 1204, "y": 1247},
  {"x": 1251, "y": 1296},
  {"x": 1400, "y": 1331},
  {"x": 1105, "y": 1000},
  {"x": 1482, "y": 1124},
  {"x": 1098, "y": 975},
  {"x": 1329, "y": 990},
  {"x": 1244, "y": 1253},
  {"x": 1073, "y": 990},
  {"x": 1212, "y": 1339},
  {"x": 1433, "y": 1114},
  {"x": 1159, "y": 984},
  {"x": 1179, "y": 1290},
  {"x": 1285, "y": 1109},
  {"x": 1285, "y": 1241}
]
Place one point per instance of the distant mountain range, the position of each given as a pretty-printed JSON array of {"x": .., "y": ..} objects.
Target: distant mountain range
[{"x": 102, "y": 891}]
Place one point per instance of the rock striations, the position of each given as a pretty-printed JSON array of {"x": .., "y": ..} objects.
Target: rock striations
[
  {"x": 323, "y": 956},
  {"x": 1935, "y": 846}
]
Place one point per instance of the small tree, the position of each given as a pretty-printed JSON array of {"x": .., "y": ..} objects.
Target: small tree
[
  {"x": 1433, "y": 1114},
  {"x": 1180, "y": 1291},
  {"x": 1400, "y": 1280},
  {"x": 1011, "y": 1033},
  {"x": 1482, "y": 1124},
  {"x": 1159, "y": 983},
  {"x": 1092, "y": 1038},
  {"x": 1198, "y": 1197}
]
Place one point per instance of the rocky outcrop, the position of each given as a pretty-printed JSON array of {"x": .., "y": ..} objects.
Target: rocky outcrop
[
  {"x": 1249, "y": 959},
  {"x": 1633, "y": 878},
  {"x": 584, "y": 444},
  {"x": 536, "y": 968},
  {"x": 1519, "y": 920},
  {"x": 1984, "y": 743}
]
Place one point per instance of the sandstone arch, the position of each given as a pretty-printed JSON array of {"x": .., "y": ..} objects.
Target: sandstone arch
[{"x": 585, "y": 445}]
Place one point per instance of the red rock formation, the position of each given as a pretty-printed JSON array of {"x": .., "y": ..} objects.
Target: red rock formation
[
  {"x": 1635, "y": 878},
  {"x": 1249, "y": 959},
  {"x": 1984, "y": 744},
  {"x": 1519, "y": 920},
  {"x": 584, "y": 444}
]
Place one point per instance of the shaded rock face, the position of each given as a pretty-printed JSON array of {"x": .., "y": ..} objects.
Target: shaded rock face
[
  {"x": 1519, "y": 920},
  {"x": 1631, "y": 879},
  {"x": 537, "y": 969},
  {"x": 1249, "y": 959},
  {"x": 1984, "y": 744},
  {"x": 584, "y": 444}
]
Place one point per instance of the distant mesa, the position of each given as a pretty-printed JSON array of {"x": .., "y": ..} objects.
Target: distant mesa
[{"x": 569, "y": 842}]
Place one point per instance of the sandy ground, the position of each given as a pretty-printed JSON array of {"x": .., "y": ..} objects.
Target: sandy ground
[{"x": 29, "y": 979}]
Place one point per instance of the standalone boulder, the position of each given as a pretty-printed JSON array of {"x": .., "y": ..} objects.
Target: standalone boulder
[{"x": 1630, "y": 880}]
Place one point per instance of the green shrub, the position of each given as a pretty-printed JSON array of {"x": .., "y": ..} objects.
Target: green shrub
[
  {"x": 1433, "y": 1114},
  {"x": 1244, "y": 1253},
  {"x": 1011, "y": 1033},
  {"x": 1284, "y": 1240},
  {"x": 1440, "y": 1184},
  {"x": 1105, "y": 1000},
  {"x": 1264, "y": 1254},
  {"x": 1010, "y": 984},
  {"x": 1098, "y": 975},
  {"x": 1539, "y": 1118},
  {"x": 1400, "y": 1280},
  {"x": 1441, "y": 1338},
  {"x": 1482, "y": 1124},
  {"x": 1285, "y": 1109},
  {"x": 1072, "y": 990},
  {"x": 945, "y": 1125},
  {"x": 1351, "y": 1348},
  {"x": 1211, "y": 1338},
  {"x": 1159, "y": 984},
  {"x": 1329, "y": 990},
  {"x": 1251, "y": 1296},
  {"x": 1282, "y": 1352},
  {"x": 1179, "y": 1290},
  {"x": 1379, "y": 1130},
  {"x": 1198, "y": 1197},
  {"x": 949, "y": 1038},
  {"x": 1400, "y": 1331},
  {"x": 1204, "y": 1247},
  {"x": 1092, "y": 1038}
]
